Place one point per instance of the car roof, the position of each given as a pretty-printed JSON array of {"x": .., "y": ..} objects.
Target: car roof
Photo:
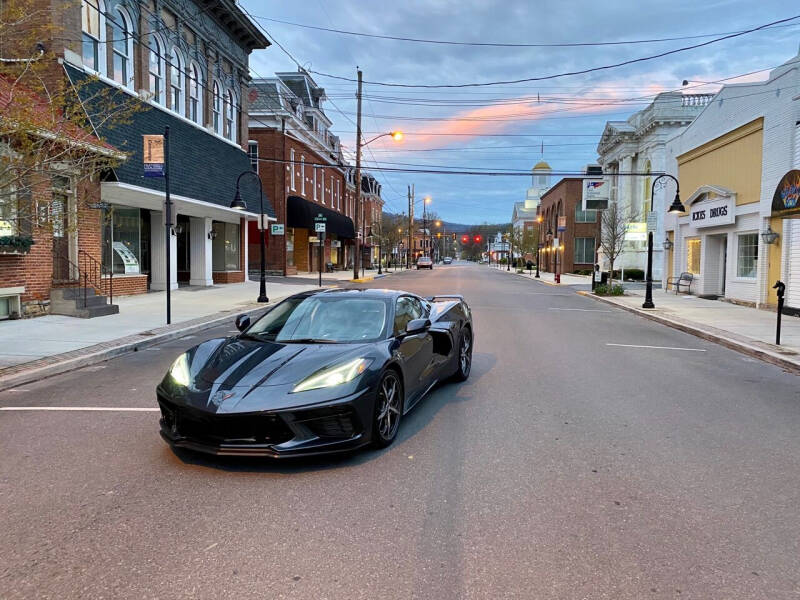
[{"x": 355, "y": 293}]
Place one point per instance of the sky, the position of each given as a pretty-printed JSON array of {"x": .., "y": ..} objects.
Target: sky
[{"x": 507, "y": 127}]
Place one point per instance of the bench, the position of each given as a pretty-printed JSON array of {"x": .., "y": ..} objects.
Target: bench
[{"x": 685, "y": 280}]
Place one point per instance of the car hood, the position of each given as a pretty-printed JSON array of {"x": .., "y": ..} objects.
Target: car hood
[{"x": 244, "y": 363}]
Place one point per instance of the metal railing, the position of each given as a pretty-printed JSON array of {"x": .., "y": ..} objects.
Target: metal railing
[{"x": 88, "y": 272}]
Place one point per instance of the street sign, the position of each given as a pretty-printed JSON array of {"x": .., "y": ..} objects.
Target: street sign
[
  {"x": 562, "y": 223},
  {"x": 595, "y": 194},
  {"x": 652, "y": 221},
  {"x": 556, "y": 243},
  {"x": 263, "y": 221},
  {"x": 319, "y": 227},
  {"x": 312, "y": 239},
  {"x": 277, "y": 229},
  {"x": 153, "y": 151}
]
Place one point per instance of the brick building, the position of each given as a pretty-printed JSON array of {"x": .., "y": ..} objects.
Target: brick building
[
  {"x": 303, "y": 173},
  {"x": 576, "y": 245},
  {"x": 183, "y": 65}
]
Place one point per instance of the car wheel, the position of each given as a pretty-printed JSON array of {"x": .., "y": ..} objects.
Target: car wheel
[
  {"x": 464, "y": 355},
  {"x": 388, "y": 409}
]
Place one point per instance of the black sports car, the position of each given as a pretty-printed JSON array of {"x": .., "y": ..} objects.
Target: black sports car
[{"x": 322, "y": 371}]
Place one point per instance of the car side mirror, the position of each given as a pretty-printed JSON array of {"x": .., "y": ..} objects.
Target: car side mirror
[
  {"x": 417, "y": 326},
  {"x": 242, "y": 322}
]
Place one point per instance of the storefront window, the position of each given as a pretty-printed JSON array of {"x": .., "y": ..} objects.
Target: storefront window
[
  {"x": 225, "y": 247},
  {"x": 290, "y": 246},
  {"x": 747, "y": 260},
  {"x": 122, "y": 240},
  {"x": 693, "y": 256}
]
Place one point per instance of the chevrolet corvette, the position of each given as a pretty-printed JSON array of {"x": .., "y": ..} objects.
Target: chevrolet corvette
[{"x": 321, "y": 371}]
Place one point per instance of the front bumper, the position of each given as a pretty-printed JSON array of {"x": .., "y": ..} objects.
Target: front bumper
[{"x": 338, "y": 426}]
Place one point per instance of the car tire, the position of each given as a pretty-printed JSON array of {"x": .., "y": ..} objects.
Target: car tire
[
  {"x": 388, "y": 410},
  {"x": 464, "y": 356}
]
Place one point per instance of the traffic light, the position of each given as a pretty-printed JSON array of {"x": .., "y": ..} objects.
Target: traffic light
[
  {"x": 465, "y": 239},
  {"x": 454, "y": 237},
  {"x": 477, "y": 239}
]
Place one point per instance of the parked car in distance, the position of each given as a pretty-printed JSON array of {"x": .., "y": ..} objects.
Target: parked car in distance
[
  {"x": 424, "y": 262},
  {"x": 447, "y": 260}
]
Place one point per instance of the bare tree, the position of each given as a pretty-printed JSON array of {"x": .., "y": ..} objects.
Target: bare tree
[{"x": 614, "y": 222}]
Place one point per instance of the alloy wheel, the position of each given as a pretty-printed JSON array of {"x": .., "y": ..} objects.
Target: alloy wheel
[
  {"x": 390, "y": 403},
  {"x": 465, "y": 354}
]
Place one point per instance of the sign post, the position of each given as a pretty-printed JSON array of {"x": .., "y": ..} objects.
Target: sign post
[
  {"x": 319, "y": 228},
  {"x": 156, "y": 164}
]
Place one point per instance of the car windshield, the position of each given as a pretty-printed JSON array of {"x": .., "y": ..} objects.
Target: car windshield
[{"x": 323, "y": 319}]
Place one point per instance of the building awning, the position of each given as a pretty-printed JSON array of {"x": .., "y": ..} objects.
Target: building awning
[{"x": 301, "y": 213}]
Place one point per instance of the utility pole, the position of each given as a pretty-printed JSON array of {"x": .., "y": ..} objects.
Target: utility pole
[
  {"x": 167, "y": 223},
  {"x": 410, "y": 223},
  {"x": 357, "y": 259}
]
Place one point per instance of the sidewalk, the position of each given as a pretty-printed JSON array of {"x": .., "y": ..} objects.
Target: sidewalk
[
  {"x": 549, "y": 278},
  {"x": 346, "y": 275},
  {"x": 44, "y": 346},
  {"x": 748, "y": 330}
]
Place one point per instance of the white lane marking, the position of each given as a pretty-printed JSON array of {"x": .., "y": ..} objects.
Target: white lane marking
[
  {"x": 583, "y": 309},
  {"x": 657, "y": 347},
  {"x": 81, "y": 408}
]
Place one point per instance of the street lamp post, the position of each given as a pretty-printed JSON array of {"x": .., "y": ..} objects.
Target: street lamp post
[
  {"x": 675, "y": 208},
  {"x": 508, "y": 253},
  {"x": 239, "y": 204},
  {"x": 425, "y": 235}
]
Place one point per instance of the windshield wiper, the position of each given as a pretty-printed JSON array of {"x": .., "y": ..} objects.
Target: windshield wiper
[
  {"x": 308, "y": 341},
  {"x": 259, "y": 337}
]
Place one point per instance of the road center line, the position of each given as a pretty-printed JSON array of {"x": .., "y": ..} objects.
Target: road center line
[
  {"x": 583, "y": 309},
  {"x": 656, "y": 347},
  {"x": 79, "y": 408}
]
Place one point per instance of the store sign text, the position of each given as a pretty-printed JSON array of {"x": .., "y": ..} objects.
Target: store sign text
[{"x": 711, "y": 214}]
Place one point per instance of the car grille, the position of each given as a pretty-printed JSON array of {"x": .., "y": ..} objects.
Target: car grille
[{"x": 250, "y": 428}]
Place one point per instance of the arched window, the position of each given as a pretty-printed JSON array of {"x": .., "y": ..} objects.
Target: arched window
[
  {"x": 93, "y": 25},
  {"x": 195, "y": 94},
  {"x": 176, "y": 74},
  {"x": 122, "y": 48},
  {"x": 216, "y": 109},
  {"x": 230, "y": 115},
  {"x": 647, "y": 191},
  {"x": 157, "y": 70}
]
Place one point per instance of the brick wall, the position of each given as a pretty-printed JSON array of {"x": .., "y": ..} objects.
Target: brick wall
[
  {"x": 126, "y": 285},
  {"x": 565, "y": 194},
  {"x": 228, "y": 276},
  {"x": 276, "y": 178}
]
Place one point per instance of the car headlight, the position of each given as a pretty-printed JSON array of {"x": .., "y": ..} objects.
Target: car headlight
[
  {"x": 334, "y": 375},
  {"x": 179, "y": 371}
]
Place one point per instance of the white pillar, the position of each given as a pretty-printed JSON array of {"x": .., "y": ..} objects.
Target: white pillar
[
  {"x": 200, "y": 251},
  {"x": 245, "y": 234},
  {"x": 158, "y": 261}
]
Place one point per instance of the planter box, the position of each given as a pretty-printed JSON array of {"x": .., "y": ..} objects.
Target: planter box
[{"x": 13, "y": 250}]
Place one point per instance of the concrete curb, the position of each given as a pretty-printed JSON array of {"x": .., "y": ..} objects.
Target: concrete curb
[
  {"x": 743, "y": 345},
  {"x": 97, "y": 353}
]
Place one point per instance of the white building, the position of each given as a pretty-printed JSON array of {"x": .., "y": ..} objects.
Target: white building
[
  {"x": 730, "y": 162},
  {"x": 524, "y": 213},
  {"x": 637, "y": 145}
]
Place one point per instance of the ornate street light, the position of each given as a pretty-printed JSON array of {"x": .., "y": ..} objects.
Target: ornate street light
[
  {"x": 676, "y": 208},
  {"x": 239, "y": 204},
  {"x": 769, "y": 236}
]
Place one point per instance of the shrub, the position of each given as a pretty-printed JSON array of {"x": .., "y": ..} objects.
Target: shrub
[
  {"x": 14, "y": 243},
  {"x": 602, "y": 290}
]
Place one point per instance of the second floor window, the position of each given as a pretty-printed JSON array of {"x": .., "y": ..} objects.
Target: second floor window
[
  {"x": 230, "y": 113},
  {"x": 216, "y": 109},
  {"x": 176, "y": 83},
  {"x": 92, "y": 34},
  {"x": 291, "y": 169},
  {"x": 585, "y": 216},
  {"x": 195, "y": 94},
  {"x": 252, "y": 154},
  {"x": 303, "y": 175},
  {"x": 122, "y": 48},
  {"x": 332, "y": 198},
  {"x": 157, "y": 70}
]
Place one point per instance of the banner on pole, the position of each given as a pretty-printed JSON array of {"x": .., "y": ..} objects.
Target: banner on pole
[{"x": 153, "y": 152}]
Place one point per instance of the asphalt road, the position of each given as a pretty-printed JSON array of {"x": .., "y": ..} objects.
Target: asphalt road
[{"x": 564, "y": 468}]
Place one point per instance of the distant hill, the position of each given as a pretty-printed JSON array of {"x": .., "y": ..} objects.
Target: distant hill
[{"x": 460, "y": 228}]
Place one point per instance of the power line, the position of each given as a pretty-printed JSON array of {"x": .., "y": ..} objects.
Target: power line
[
  {"x": 505, "y": 44},
  {"x": 568, "y": 73}
]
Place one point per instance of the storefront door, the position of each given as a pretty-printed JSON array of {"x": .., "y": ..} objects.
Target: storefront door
[{"x": 62, "y": 270}]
